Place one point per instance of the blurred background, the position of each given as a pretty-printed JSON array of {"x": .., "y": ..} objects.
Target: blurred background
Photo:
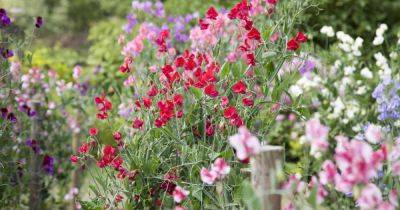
[{"x": 85, "y": 31}]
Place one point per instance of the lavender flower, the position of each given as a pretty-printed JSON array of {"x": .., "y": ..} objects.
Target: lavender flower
[
  {"x": 388, "y": 99},
  {"x": 307, "y": 67}
]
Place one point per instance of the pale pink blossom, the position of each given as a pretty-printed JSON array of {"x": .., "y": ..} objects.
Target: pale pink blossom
[
  {"x": 245, "y": 144},
  {"x": 386, "y": 206},
  {"x": 317, "y": 135},
  {"x": 180, "y": 208},
  {"x": 396, "y": 168},
  {"x": 208, "y": 176},
  {"x": 370, "y": 197},
  {"x": 393, "y": 199},
  {"x": 373, "y": 134},
  {"x": 129, "y": 81},
  {"x": 77, "y": 72},
  {"x": 180, "y": 194},
  {"x": 221, "y": 168}
]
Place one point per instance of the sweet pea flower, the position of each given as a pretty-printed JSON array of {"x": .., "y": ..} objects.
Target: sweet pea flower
[
  {"x": 317, "y": 135},
  {"x": 373, "y": 134},
  {"x": 370, "y": 197},
  {"x": 245, "y": 144},
  {"x": 208, "y": 176},
  {"x": 221, "y": 168},
  {"x": 180, "y": 194}
]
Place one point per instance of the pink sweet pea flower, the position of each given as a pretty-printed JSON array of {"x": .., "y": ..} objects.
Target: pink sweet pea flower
[
  {"x": 373, "y": 134},
  {"x": 180, "y": 194},
  {"x": 328, "y": 173},
  {"x": 317, "y": 135},
  {"x": 370, "y": 197},
  {"x": 386, "y": 206},
  {"x": 208, "y": 176},
  {"x": 393, "y": 199},
  {"x": 357, "y": 163},
  {"x": 221, "y": 168},
  {"x": 245, "y": 144}
]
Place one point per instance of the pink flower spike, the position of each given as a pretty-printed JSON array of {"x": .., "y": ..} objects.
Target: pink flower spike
[
  {"x": 221, "y": 168},
  {"x": 180, "y": 194},
  {"x": 208, "y": 176}
]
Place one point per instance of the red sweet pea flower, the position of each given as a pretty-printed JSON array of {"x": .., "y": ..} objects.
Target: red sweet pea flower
[
  {"x": 230, "y": 112},
  {"x": 250, "y": 59},
  {"x": 212, "y": 13},
  {"x": 273, "y": 2},
  {"x": 161, "y": 41},
  {"x": 84, "y": 148},
  {"x": 153, "y": 91},
  {"x": 203, "y": 24},
  {"x": 209, "y": 129},
  {"x": 211, "y": 91},
  {"x": 292, "y": 45},
  {"x": 93, "y": 131},
  {"x": 239, "y": 87},
  {"x": 137, "y": 123},
  {"x": 248, "y": 101},
  {"x": 147, "y": 102},
  {"x": 240, "y": 11},
  {"x": 300, "y": 37},
  {"x": 74, "y": 159},
  {"x": 178, "y": 99},
  {"x": 103, "y": 105},
  {"x": 117, "y": 136},
  {"x": 254, "y": 34}
]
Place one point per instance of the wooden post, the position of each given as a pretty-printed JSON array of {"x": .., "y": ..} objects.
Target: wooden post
[
  {"x": 35, "y": 183},
  {"x": 264, "y": 167}
]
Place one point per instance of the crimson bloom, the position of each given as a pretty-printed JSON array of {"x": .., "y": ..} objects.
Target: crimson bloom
[
  {"x": 239, "y": 87},
  {"x": 292, "y": 45},
  {"x": 212, "y": 13},
  {"x": 300, "y": 37},
  {"x": 93, "y": 131},
  {"x": 211, "y": 91}
]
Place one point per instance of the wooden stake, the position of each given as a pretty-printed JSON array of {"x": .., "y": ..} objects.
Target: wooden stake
[
  {"x": 264, "y": 167},
  {"x": 35, "y": 182}
]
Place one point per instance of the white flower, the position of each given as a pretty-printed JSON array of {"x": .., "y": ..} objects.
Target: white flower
[
  {"x": 328, "y": 31},
  {"x": 366, "y": 73},
  {"x": 378, "y": 40},
  {"x": 349, "y": 70},
  {"x": 295, "y": 90},
  {"x": 393, "y": 55}
]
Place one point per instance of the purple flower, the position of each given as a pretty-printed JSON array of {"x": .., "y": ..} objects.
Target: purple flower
[
  {"x": 7, "y": 53},
  {"x": 48, "y": 164},
  {"x": 34, "y": 145},
  {"x": 307, "y": 67},
  {"x": 4, "y": 19},
  {"x": 11, "y": 117},
  {"x": 39, "y": 22},
  {"x": 132, "y": 21},
  {"x": 388, "y": 99}
]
